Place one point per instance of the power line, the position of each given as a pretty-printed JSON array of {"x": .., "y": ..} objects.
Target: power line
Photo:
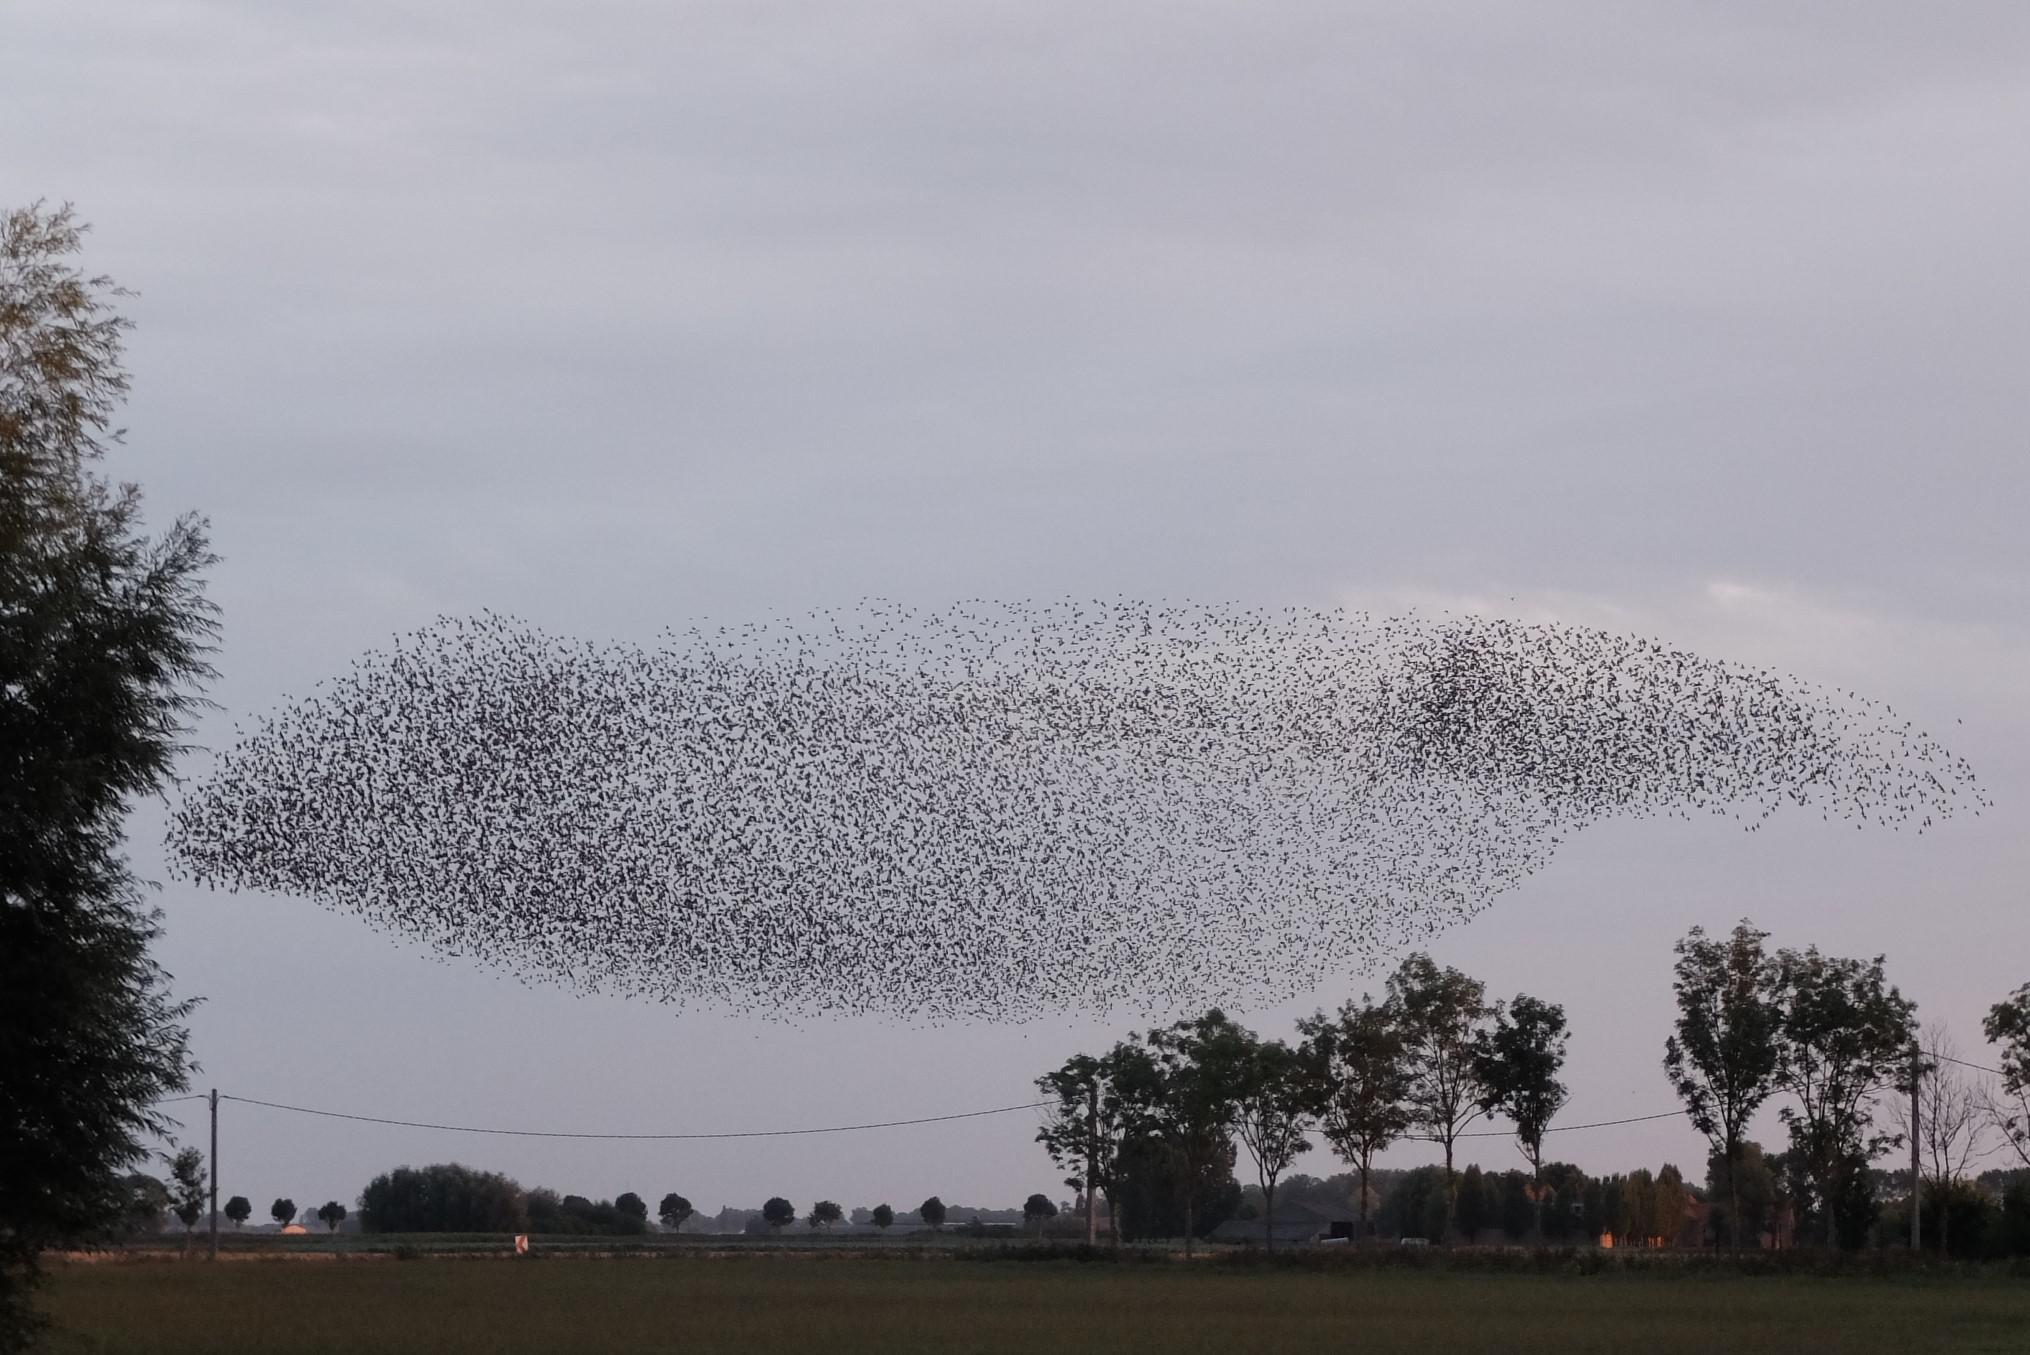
[
  {"x": 1560, "y": 1128},
  {"x": 565, "y": 1134},
  {"x": 1979, "y": 1068},
  {"x": 791, "y": 1133}
]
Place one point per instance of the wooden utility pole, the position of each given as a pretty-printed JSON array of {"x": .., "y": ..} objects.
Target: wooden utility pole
[
  {"x": 1916, "y": 1180},
  {"x": 214, "y": 1173}
]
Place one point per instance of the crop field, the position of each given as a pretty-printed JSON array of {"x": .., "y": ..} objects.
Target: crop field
[{"x": 768, "y": 1303}]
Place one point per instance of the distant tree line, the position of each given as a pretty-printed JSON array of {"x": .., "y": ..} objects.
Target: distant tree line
[
  {"x": 1156, "y": 1125},
  {"x": 449, "y": 1197}
]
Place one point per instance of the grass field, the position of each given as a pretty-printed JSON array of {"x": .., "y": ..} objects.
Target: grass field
[{"x": 760, "y": 1304}]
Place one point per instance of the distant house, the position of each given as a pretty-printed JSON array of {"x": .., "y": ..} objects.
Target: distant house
[{"x": 1293, "y": 1224}]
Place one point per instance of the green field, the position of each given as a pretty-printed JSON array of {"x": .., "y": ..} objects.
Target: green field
[{"x": 758, "y": 1304}]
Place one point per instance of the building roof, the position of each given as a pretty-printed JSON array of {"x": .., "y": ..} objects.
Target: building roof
[{"x": 1292, "y": 1222}]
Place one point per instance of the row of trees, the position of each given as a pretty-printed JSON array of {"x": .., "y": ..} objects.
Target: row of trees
[
  {"x": 149, "y": 1201},
  {"x": 1835, "y": 1036},
  {"x": 1830, "y": 1036},
  {"x": 1428, "y": 1060},
  {"x": 451, "y": 1198},
  {"x": 1156, "y": 1123}
]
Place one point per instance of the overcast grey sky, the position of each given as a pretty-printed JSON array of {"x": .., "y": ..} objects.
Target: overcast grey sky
[{"x": 1708, "y": 322}]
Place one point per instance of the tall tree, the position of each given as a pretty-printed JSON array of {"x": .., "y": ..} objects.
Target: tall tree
[
  {"x": 1093, "y": 1102},
  {"x": 1274, "y": 1097},
  {"x": 239, "y": 1209},
  {"x": 673, "y": 1211},
  {"x": 778, "y": 1212},
  {"x": 1038, "y": 1210},
  {"x": 1638, "y": 1204},
  {"x": 1363, "y": 1091},
  {"x": 1672, "y": 1204},
  {"x": 1443, "y": 1016},
  {"x": 331, "y": 1213},
  {"x": 187, "y": 1181},
  {"x": 1472, "y": 1214},
  {"x": 103, "y": 638},
  {"x": 1189, "y": 1108},
  {"x": 882, "y": 1216},
  {"x": 2008, "y": 1025},
  {"x": 932, "y": 1212},
  {"x": 1518, "y": 1065},
  {"x": 825, "y": 1213},
  {"x": 283, "y": 1211},
  {"x": 1158, "y": 1193},
  {"x": 1617, "y": 1206},
  {"x": 1846, "y": 1035},
  {"x": 1722, "y": 1059}
]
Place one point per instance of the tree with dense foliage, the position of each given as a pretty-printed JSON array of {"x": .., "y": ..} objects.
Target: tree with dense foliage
[
  {"x": 331, "y": 1213},
  {"x": 1274, "y": 1094},
  {"x": 1722, "y": 1058},
  {"x": 1442, "y": 1015},
  {"x": 673, "y": 1211},
  {"x": 1671, "y": 1203},
  {"x": 882, "y": 1216},
  {"x": 778, "y": 1213},
  {"x": 544, "y": 1209},
  {"x": 1638, "y": 1207},
  {"x": 932, "y": 1212},
  {"x": 576, "y": 1215},
  {"x": 1747, "y": 1193},
  {"x": 239, "y": 1209},
  {"x": 1090, "y": 1119},
  {"x": 1846, "y": 1035},
  {"x": 443, "y": 1198},
  {"x": 187, "y": 1183},
  {"x": 1038, "y": 1210},
  {"x": 1520, "y": 1204},
  {"x": 1616, "y": 1211},
  {"x": 283, "y": 1211},
  {"x": 1517, "y": 1065},
  {"x": 1419, "y": 1204},
  {"x": 1190, "y": 1108},
  {"x": 146, "y": 1201},
  {"x": 825, "y": 1213},
  {"x": 1471, "y": 1213},
  {"x": 103, "y": 638},
  {"x": 1158, "y": 1192},
  {"x": 1363, "y": 1090},
  {"x": 2008, "y": 1025},
  {"x": 1564, "y": 1190}
]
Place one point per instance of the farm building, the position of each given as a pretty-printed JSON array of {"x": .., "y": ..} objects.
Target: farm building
[{"x": 1293, "y": 1224}]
